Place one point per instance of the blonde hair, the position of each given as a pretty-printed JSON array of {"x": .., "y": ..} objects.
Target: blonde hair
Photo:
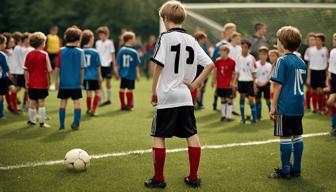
[
  {"x": 174, "y": 11},
  {"x": 37, "y": 39},
  {"x": 229, "y": 26},
  {"x": 86, "y": 37},
  {"x": 334, "y": 35},
  {"x": 290, "y": 37},
  {"x": 274, "y": 51},
  {"x": 225, "y": 48},
  {"x": 103, "y": 29},
  {"x": 128, "y": 35},
  {"x": 235, "y": 34},
  {"x": 263, "y": 49}
]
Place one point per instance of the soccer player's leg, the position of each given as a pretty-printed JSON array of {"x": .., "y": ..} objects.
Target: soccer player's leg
[
  {"x": 42, "y": 113},
  {"x": 267, "y": 97},
  {"x": 242, "y": 92},
  {"x": 194, "y": 153},
  {"x": 3, "y": 92},
  {"x": 308, "y": 96},
  {"x": 214, "y": 104},
  {"x": 32, "y": 113},
  {"x": 122, "y": 94},
  {"x": 321, "y": 101},
  {"x": 229, "y": 108},
  {"x": 109, "y": 91},
  {"x": 88, "y": 102},
  {"x": 77, "y": 114},
  {"x": 223, "y": 108},
  {"x": 252, "y": 102},
  {"x": 258, "y": 103},
  {"x": 95, "y": 102},
  {"x": 129, "y": 94},
  {"x": 298, "y": 150},
  {"x": 62, "y": 110},
  {"x": 331, "y": 104}
]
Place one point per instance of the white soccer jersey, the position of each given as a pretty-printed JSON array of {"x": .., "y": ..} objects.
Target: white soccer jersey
[
  {"x": 263, "y": 72},
  {"x": 235, "y": 52},
  {"x": 18, "y": 58},
  {"x": 332, "y": 61},
  {"x": 307, "y": 54},
  {"x": 318, "y": 58},
  {"x": 245, "y": 68},
  {"x": 179, "y": 54},
  {"x": 105, "y": 50}
]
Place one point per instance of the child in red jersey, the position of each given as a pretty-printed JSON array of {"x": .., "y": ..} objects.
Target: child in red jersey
[
  {"x": 37, "y": 68},
  {"x": 223, "y": 79}
]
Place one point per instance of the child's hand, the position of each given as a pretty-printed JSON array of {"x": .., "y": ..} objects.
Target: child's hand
[
  {"x": 100, "y": 79},
  {"x": 273, "y": 112},
  {"x": 154, "y": 99},
  {"x": 117, "y": 77},
  {"x": 308, "y": 82},
  {"x": 192, "y": 86}
]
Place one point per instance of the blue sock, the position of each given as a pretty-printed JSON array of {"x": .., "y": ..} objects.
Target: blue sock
[
  {"x": 285, "y": 154},
  {"x": 77, "y": 116},
  {"x": 298, "y": 149},
  {"x": 61, "y": 117},
  {"x": 1, "y": 108},
  {"x": 254, "y": 112},
  {"x": 333, "y": 120},
  {"x": 242, "y": 109},
  {"x": 259, "y": 109},
  {"x": 268, "y": 105}
]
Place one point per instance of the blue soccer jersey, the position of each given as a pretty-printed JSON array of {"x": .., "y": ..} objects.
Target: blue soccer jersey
[
  {"x": 92, "y": 62},
  {"x": 70, "y": 62},
  {"x": 128, "y": 59},
  {"x": 291, "y": 72},
  {"x": 3, "y": 65}
]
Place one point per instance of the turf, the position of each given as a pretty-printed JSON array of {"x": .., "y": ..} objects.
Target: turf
[{"x": 229, "y": 169}]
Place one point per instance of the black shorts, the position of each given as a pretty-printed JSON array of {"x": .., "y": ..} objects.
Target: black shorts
[
  {"x": 19, "y": 80},
  {"x": 91, "y": 85},
  {"x": 74, "y": 94},
  {"x": 127, "y": 84},
  {"x": 178, "y": 121},
  {"x": 317, "y": 78},
  {"x": 106, "y": 72},
  {"x": 227, "y": 93},
  {"x": 286, "y": 126},
  {"x": 333, "y": 83},
  {"x": 246, "y": 87},
  {"x": 4, "y": 86},
  {"x": 265, "y": 90},
  {"x": 52, "y": 57},
  {"x": 36, "y": 94}
]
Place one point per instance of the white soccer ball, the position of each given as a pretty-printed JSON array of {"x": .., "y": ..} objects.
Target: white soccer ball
[{"x": 77, "y": 159}]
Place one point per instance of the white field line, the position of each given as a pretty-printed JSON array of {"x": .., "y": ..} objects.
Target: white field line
[{"x": 141, "y": 152}]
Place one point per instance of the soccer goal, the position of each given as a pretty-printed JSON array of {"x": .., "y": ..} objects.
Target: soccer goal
[{"x": 308, "y": 17}]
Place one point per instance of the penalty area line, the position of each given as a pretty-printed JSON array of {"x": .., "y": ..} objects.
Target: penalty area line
[{"x": 141, "y": 152}]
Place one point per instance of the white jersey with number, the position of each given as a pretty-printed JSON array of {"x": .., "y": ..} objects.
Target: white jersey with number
[
  {"x": 318, "y": 58},
  {"x": 263, "y": 72},
  {"x": 332, "y": 61},
  {"x": 179, "y": 54},
  {"x": 105, "y": 50},
  {"x": 245, "y": 67},
  {"x": 235, "y": 52}
]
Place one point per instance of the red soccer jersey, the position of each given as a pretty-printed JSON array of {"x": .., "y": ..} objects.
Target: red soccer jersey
[
  {"x": 225, "y": 70},
  {"x": 37, "y": 64}
]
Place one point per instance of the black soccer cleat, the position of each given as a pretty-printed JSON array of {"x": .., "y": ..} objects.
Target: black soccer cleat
[
  {"x": 333, "y": 132},
  {"x": 278, "y": 174},
  {"x": 29, "y": 123},
  {"x": 235, "y": 113},
  {"x": 74, "y": 127},
  {"x": 223, "y": 119},
  {"x": 192, "y": 183},
  {"x": 295, "y": 174},
  {"x": 152, "y": 183},
  {"x": 61, "y": 128}
]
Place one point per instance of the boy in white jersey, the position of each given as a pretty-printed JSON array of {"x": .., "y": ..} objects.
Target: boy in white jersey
[
  {"x": 235, "y": 48},
  {"x": 106, "y": 51},
  {"x": 176, "y": 57},
  {"x": 318, "y": 63},
  {"x": 262, "y": 82},
  {"x": 245, "y": 75},
  {"x": 332, "y": 78},
  {"x": 311, "y": 40}
]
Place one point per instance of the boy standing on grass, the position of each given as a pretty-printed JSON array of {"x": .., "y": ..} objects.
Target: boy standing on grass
[
  {"x": 287, "y": 110},
  {"x": 4, "y": 70},
  {"x": 37, "y": 72},
  {"x": 128, "y": 61},
  {"x": 69, "y": 75},
  {"x": 177, "y": 56},
  {"x": 332, "y": 79}
]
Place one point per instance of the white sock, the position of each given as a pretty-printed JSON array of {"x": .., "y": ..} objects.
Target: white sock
[
  {"x": 229, "y": 109},
  {"x": 32, "y": 115},
  {"x": 224, "y": 109},
  {"x": 109, "y": 94},
  {"x": 42, "y": 112},
  {"x": 102, "y": 95}
]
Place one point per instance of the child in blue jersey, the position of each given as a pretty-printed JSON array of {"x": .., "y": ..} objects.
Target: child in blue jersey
[
  {"x": 128, "y": 61},
  {"x": 92, "y": 72},
  {"x": 69, "y": 75},
  {"x": 4, "y": 70},
  {"x": 287, "y": 110}
]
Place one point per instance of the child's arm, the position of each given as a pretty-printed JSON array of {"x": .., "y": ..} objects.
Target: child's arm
[
  {"x": 26, "y": 76},
  {"x": 115, "y": 68},
  {"x": 138, "y": 73},
  {"x": 100, "y": 77},
  {"x": 214, "y": 77},
  {"x": 308, "y": 74},
  {"x": 201, "y": 78},
  {"x": 276, "y": 92},
  {"x": 82, "y": 75},
  {"x": 156, "y": 75}
]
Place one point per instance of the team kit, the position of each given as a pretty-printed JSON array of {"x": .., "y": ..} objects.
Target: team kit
[{"x": 182, "y": 65}]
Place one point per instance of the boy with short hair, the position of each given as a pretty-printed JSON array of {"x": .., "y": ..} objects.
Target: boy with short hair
[
  {"x": 332, "y": 79},
  {"x": 92, "y": 72},
  {"x": 245, "y": 76},
  {"x": 106, "y": 50},
  {"x": 37, "y": 72},
  {"x": 4, "y": 70},
  {"x": 177, "y": 56},
  {"x": 128, "y": 61},
  {"x": 235, "y": 48},
  {"x": 223, "y": 79},
  {"x": 262, "y": 82},
  {"x": 288, "y": 102},
  {"x": 69, "y": 75}
]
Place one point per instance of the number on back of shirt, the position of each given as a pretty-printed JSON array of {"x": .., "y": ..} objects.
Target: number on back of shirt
[
  {"x": 177, "y": 49},
  {"x": 127, "y": 59},
  {"x": 298, "y": 83},
  {"x": 88, "y": 60}
]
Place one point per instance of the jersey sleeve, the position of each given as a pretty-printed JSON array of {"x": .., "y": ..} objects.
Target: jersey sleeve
[
  {"x": 160, "y": 52},
  {"x": 112, "y": 48},
  {"x": 202, "y": 58},
  {"x": 278, "y": 74}
]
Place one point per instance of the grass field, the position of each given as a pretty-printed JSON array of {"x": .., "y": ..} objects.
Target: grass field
[{"x": 241, "y": 168}]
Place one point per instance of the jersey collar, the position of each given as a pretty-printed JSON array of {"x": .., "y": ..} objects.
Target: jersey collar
[{"x": 177, "y": 29}]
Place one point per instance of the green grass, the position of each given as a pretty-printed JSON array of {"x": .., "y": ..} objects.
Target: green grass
[{"x": 229, "y": 169}]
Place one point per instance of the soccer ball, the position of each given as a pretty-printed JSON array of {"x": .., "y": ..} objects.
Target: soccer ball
[{"x": 77, "y": 159}]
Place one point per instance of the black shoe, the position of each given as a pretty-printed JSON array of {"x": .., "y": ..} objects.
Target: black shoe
[
  {"x": 44, "y": 125},
  {"x": 88, "y": 113},
  {"x": 214, "y": 107},
  {"x": 278, "y": 174},
  {"x": 61, "y": 128},
  {"x": 235, "y": 113},
  {"x": 196, "y": 183},
  {"x": 333, "y": 132},
  {"x": 74, "y": 127},
  {"x": 105, "y": 103},
  {"x": 222, "y": 119},
  {"x": 229, "y": 119},
  {"x": 29, "y": 123},
  {"x": 93, "y": 114},
  {"x": 296, "y": 174},
  {"x": 152, "y": 183}
]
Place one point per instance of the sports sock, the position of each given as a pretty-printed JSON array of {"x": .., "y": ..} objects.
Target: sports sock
[
  {"x": 298, "y": 149},
  {"x": 285, "y": 154},
  {"x": 159, "y": 156},
  {"x": 129, "y": 96},
  {"x": 268, "y": 103},
  {"x": 258, "y": 109},
  {"x": 242, "y": 109},
  {"x": 314, "y": 98},
  {"x": 61, "y": 117},
  {"x": 321, "y": 102},
  {"x": 254, "y": 112},
  {"x": 14, "y": 102},
  {"x": 95, "y": 103},
  {"x": 8, "y": 100},
  {"x": 308, "y": 98},
  {"x": 109, "y": 94},
  {"x": 333, "y": 118},
  {"x": 42, "y": 112},
  {"x": 102, "y": 95},
  {"x": 122, "y": 98},
  {"x": 229, "y": 109},
  {"x": 1, "y": 108},
  {"x": 77, "y": 116},
  {"x": 88, "y": 103},
  {"x": 224, "y": 108},
  {"x": 194, "y": 160},
  {"x": 215, "y": 101},
  {"x": 32, "y": 115}
]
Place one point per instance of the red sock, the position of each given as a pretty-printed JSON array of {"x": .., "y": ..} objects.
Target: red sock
[
  {"x": 308, "y": 98},
  {"x": 333, "y": 109},
  {"x": 95, "y": 103},
  {"x": 122, "y": 99},
  {"x": 129, "y": 99},
  {"x": 14, "y": 102},
  {"x": 320, "y": 102},
  {"x": 314, "y": 97},
  {"x": 159, "y": 156},
  {"x": 88, "y": 103},
  {"x": 8, "y": 100},
  {"x": 194, "y": 160}
]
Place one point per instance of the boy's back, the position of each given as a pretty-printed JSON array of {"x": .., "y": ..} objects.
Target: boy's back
[
  {"x": 92, "y": 62},
  {"x": 128, "y": 59}
]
